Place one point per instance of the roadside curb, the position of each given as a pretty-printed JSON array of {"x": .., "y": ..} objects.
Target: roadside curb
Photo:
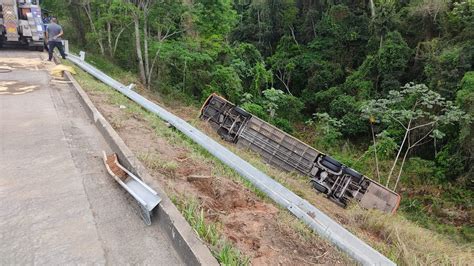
[{"x": 190, "y": 248}]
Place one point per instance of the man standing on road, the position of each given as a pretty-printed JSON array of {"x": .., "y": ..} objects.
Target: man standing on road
[{"x": 54, "y": 33}]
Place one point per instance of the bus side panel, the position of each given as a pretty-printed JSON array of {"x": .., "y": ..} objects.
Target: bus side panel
[{"x": 277, "y": 147}]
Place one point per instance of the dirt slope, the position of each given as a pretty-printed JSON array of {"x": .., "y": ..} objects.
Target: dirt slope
[{"x": 259, "y": 229}]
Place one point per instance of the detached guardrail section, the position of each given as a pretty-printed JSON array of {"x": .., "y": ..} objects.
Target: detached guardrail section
[{"x": 309, "y": 214}]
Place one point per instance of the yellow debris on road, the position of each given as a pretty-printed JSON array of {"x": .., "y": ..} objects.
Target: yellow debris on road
[{"x": 57, "y": 71}]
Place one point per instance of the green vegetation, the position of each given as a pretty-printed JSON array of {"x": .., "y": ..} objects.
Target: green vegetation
[
  {"x": 378, "y": 229},
  {"x": 345, "y": 76},
  {"x": 190, "y": 207},
  {"x": 408, "y": 244},
  {"x": 225, "y": 253}
]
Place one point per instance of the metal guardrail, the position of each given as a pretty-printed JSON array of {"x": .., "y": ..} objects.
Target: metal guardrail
[{"x": 309, "y": 214}]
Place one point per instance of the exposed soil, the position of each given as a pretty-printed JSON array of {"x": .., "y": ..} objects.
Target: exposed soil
[{"x": 256, "y": 227}]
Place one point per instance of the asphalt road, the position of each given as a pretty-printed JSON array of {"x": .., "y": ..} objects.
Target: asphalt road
[{"x": 57, "y": 203}]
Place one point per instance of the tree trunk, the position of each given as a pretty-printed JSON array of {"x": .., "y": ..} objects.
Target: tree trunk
[
  {"x": 117, "y": 38},
  {"x": 375, "y": 152},
  {"x": 147, "y": 57},
  {"x": 292, "y": 30},
  {"x": 401, "y": 168},
  {"x": 109, "y": 38},
  {"x": 398, "y": 154},
  {"x": 184, "y": 76},
  {"x": 75, "y": 13},
  {"x": 284, "y": 81},
  {"x": 138, "y": 45},
  {"x": 152, "y": 67},
  {"x": 188, "y": 22},
  {"x": 87, "y": 9},
  {"x": 372, "y": 8}
]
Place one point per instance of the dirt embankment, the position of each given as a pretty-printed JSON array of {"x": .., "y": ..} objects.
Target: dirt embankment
[{"x": 259, "y": 229}]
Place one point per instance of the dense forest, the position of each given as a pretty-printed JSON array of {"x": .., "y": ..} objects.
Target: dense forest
[{"x": 385, "y": 86}]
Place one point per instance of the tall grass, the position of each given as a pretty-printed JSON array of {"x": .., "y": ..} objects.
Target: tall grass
[{"x": 408, "y": 243}]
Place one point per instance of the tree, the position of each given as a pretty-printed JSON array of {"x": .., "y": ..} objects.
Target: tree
[
  {"x": 253, "y": 72},
  {"x": 460, "y": 21},
  {"x": 226, "y": 81},
  {"x": 418, "y": 112},
  {"x": 284, "y": 61},
  {"x": 154, "y": 23},
  {"x": 115, "y": 20},
  {"x": 372, "y": 8},
  {"x": 139, "y": 9},
  {"x": 465, "y": 99},
  {"x": 165, "y": 23},
  {"x": 214, "y": 17},
  {"x": 327, "y": 127},
  {"x": 429, "y": 11},
  {"x": 93, "y": 12},
  {"x": 384, "y": 19},
  {"x": 392, "y": 60},
  {"x": 272, "y": 100}
]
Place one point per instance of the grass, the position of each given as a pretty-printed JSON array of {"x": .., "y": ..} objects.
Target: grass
[
  {"x": 155, "y": 163},
  {"x": 403, "y": 241},
  {"x": 222, "y": 249},
  {"x": 408, "y": 243},
  {"x": 441, "y": 213}
]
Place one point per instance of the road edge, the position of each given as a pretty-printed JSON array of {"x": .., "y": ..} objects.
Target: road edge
[{"x": 190, "y": 248}]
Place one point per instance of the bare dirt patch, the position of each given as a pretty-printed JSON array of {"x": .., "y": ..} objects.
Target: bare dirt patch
[{"x": 259, "y": 229}]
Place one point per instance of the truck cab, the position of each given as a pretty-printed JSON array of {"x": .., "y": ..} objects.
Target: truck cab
[{"x": 21, "y": 24}]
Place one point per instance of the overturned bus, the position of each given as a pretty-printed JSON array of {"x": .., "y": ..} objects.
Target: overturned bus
[{"x": 337, "y": 181}]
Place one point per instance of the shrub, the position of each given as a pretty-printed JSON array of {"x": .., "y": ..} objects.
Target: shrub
[
  {"x": 283, "y": 124},
  {"x": 255, "y": 109}
]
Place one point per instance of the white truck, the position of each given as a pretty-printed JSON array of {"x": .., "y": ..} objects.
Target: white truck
[{"x": 21, "y": 24}]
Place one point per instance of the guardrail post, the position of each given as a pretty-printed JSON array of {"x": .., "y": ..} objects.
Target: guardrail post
[{"x": 82, "y": 55}]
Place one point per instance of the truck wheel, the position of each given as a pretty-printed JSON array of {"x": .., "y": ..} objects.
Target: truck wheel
[
  {"x": 318, "y": 187},
  {"x": 357, "y": 177},
  {"x": 332, "y": 160},
  {"x": 331, "y": 166}
]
